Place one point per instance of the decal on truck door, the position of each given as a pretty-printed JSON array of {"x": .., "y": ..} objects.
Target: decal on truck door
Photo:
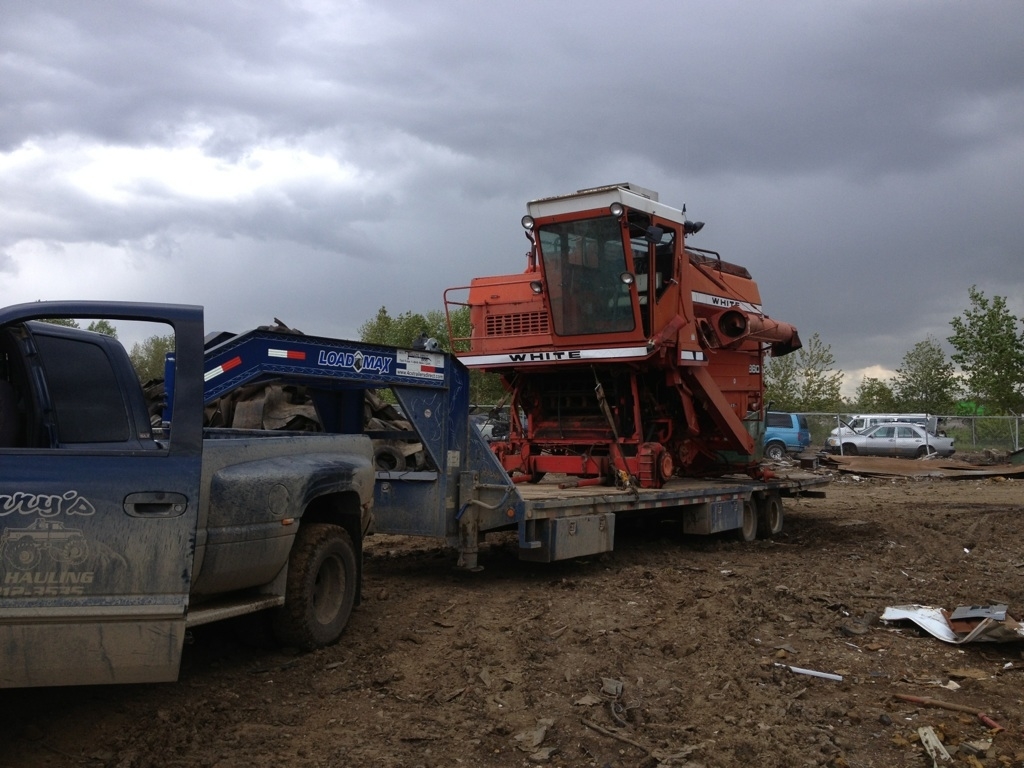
[
  {"x": 45, "y": 504},
  {"x": 48, "y": 557}
]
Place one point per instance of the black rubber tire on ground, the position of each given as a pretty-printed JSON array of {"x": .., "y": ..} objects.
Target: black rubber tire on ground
[
  {"x": 321, "y": 590},
  {"x": 770, "y": 515},
  {"x": 850, "y": 449},
  {"x": 748, "y": 531},
  {"x": 387, "y": 458},
  {"x": 775, "y": 451}
]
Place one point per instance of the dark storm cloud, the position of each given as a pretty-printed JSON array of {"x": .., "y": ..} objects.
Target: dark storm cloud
[{"x": 839, "y": 150}]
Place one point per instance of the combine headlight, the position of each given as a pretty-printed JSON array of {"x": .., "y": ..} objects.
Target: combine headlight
[
  {"x": 537, "y": 287},
  {"x": 627, "y": 278},
  {"x": 616, "y": 210},
  {"x": 528, "y": 222}
]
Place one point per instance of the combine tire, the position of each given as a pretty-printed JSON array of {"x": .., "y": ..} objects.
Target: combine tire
[{"x": 321, "y": 588}]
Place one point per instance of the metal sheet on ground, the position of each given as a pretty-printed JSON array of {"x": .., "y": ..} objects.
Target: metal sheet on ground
[{"x": 946, "y": 468}]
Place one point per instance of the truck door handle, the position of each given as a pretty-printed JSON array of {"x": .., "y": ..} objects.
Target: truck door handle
[{"x": 155, "y": 504}]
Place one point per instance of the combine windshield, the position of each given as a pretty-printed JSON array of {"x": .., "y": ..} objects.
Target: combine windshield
[{"x": 584, "y": 262}]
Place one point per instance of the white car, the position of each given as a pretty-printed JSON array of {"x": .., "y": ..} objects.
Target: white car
[
  {"x": 894, "y": 439},
  {"x": 862, "y": 423}
]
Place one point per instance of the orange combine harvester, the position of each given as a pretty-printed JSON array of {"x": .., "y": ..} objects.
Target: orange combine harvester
[{"x": 628, "y": 355}]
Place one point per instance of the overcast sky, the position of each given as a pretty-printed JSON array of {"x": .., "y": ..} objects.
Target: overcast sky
[{"x": 316, "y": 160}]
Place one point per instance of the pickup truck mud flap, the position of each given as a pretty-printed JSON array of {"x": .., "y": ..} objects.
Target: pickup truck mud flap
[{"x": 547, "y": 540}]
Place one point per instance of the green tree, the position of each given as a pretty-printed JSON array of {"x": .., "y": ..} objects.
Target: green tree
[
  {"x": 874, "y": 396},
  {"x": 148, "y": 356},
  {"x": 401, "y": 331},
  {"x": 781, "y": 382},
  {"x": 804, "y": 380},
  {"x": 926, "y": 382},
  {"x": 97, "y": 326},
  {"x": 990, "y": 353},
  {"x": 102, "y": 326}
]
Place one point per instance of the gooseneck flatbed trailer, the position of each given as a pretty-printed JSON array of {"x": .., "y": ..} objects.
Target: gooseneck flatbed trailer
[{"x": 466, "y": 493}]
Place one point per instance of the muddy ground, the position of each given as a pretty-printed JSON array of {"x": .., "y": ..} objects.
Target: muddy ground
[{"x": 522, "y": 663}]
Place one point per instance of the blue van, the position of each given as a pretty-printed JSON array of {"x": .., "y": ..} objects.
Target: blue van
[{"x": 785, "y": 433}]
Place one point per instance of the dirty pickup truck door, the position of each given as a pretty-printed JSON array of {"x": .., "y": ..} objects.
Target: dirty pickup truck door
[{"x": 97, "y": 512}]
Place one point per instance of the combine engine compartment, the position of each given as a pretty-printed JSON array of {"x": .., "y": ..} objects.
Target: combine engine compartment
[{"x": 628, "y": 356}]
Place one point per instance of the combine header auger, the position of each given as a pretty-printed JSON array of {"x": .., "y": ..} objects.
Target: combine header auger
[{"x": 628, "y": 355}]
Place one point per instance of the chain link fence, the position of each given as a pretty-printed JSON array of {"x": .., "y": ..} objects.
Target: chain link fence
[{"x": 971, "y": 434}]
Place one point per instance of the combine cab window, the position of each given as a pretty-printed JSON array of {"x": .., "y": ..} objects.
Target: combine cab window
[{"x": 583, "y": 262}]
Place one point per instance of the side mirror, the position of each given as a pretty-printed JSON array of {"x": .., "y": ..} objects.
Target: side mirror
[{"x": 654, "y": 234}]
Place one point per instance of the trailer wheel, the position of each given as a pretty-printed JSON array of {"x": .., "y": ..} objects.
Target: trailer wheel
[
  {"x": 321, "y": 588},
  {"x": 748, "y": 531},
  {"x": 775, "y": 451},
  {"x": 769, "y": 509}
]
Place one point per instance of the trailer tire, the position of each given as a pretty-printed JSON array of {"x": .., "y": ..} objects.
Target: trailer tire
[
  {"x": 775, "y": 451},
  {"x": 748, "y": 530},
  {"x": 321, "y": 588},
  {"x": 769, "y": 510}
]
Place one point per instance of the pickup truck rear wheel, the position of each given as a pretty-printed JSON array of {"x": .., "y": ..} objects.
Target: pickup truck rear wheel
[
  {"x": 321, "y": 587},
  {"x": 775, "y": 451}
]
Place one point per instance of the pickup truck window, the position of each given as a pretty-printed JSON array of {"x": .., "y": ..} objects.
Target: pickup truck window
[{"x": 89, "y": 403}]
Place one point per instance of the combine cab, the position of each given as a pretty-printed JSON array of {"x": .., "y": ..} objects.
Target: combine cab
[{"x": 628, "y": 355}]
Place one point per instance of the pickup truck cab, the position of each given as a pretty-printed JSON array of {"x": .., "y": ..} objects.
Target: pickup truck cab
[{"x": 117, "y": 534}]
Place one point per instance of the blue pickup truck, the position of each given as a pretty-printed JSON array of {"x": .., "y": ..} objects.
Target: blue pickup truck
[{"x": 119, "y": 531}]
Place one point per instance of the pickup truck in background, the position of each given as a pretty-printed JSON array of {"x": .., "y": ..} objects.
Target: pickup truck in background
[{"x": 116, "y": 535}]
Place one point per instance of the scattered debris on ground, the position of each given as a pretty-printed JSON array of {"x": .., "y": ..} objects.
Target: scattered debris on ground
[{"x": 671, "y": 651}]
